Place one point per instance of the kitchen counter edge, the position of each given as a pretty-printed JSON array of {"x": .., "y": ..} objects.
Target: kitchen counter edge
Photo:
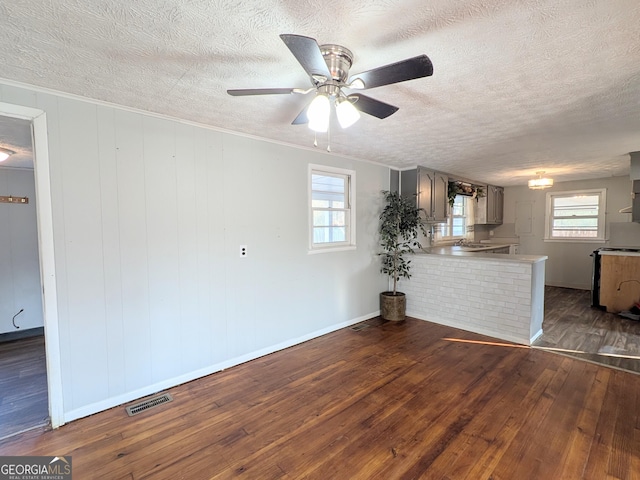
[{"x": 498, "y": 257}]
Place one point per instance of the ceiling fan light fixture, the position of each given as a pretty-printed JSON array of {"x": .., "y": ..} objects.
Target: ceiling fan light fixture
[
  {"x": 318, "y": 113},
  {"x": 540, "y": 182},
  {"x": 347, "y": 114},
  {"x": 5, "y": 153}
]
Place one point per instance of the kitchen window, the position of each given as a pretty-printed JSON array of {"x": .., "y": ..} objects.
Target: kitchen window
[
  {"x": 459, "y": 221},
  {"x": 332, "y": 209},
  {"x": 576, "y": 216}
]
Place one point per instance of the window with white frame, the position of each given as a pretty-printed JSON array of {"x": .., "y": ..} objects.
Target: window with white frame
[
  {"x": 459, "y": 220},
  {"x": 576, "y": 216},
  {"x": 332, "y": 208},
  {"x": 456, "y": 226}
]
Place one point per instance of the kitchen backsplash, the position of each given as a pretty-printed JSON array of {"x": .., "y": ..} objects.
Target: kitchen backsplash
[{"x": 624, "y": 234}]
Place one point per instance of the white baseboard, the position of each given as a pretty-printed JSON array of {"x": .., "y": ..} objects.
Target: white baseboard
[
  {"x": 203, "y": 372},
  {"x": 469, "y": 328}
]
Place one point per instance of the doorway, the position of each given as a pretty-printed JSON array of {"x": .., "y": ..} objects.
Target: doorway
[{"x": 44, "y": 220}]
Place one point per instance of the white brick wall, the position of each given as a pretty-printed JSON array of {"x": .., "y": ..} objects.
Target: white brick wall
[{"x": 502, "y": 298}]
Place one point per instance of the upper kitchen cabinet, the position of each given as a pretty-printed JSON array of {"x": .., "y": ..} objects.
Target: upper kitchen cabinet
[
  {"x": 490, "y": 208},
  {"x": 430, "y": 188}
]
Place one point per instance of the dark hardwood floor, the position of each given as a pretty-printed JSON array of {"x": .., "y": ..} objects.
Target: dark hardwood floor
[
  {"x": 23, "y": 385},
  {"x": 393, "y": 400},
  {"x": 572, "y": 327}
]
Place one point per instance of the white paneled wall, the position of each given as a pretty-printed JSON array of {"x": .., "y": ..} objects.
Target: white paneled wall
[
  {"x": 19, "y": 270},
  {"x": 148, "y": 217}
]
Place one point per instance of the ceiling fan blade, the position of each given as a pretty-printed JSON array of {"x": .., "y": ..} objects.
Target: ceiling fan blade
[
  {"x": 372, "y": 106},
  {"x": 302, "y": 118},
  {"x": 260, "y": 91},
  {"x": 307, "y": 52},
  {"x": 409, "y": 69}
]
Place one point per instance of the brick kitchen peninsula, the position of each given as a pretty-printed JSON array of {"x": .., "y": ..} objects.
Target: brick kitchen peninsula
[{"x": 501, "y": 296}]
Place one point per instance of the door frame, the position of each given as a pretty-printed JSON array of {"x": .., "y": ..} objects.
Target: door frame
[{"x": 44, "y": 218}]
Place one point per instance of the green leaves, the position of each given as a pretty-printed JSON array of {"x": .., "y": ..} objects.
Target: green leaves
[{"x": 400, "y": 226}]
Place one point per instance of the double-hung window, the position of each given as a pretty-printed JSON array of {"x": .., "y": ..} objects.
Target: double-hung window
[
  {"x": 576, "y": 216},
  {"x": 459, "y": 221},
  {"x": 456, "y": 226},
  {"x": 332, "y": 208}
]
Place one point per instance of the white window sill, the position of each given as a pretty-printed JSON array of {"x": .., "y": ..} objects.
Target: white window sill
[
  {"x": 576, "y": 240},
  {"x": 341, "y": 248}
]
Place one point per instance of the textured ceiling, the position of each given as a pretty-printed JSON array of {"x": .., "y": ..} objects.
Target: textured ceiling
[{"x": 518, "y": 86}]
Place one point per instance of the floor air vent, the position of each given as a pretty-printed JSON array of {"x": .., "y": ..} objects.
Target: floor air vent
[
  {"x": 149, "y": 403},
  {"x": 359, "y": 326}
]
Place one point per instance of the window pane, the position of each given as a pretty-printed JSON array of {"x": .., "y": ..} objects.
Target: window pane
[
  {"x": 328, "y": 191},
  {"x": 327, "y": 200},
  {"x": 329, "y": 234},
  {"x": 458, "y": 226},
  {"x": 578, "y": 205},
  {"x": 575, "y": 227},
  {"x": 329, "y": 218},
  {"x": 328, "y": 183}
]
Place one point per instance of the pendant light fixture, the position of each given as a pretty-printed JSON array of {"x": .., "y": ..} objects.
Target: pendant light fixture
[
  {"x": 540, "y": 182},
  {"x": 5, "y": 153}
]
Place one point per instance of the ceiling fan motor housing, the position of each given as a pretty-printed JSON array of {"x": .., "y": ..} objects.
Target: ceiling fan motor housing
[{"x": 339, "y": 60}]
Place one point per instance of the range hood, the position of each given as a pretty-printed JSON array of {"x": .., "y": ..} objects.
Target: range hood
[{"x": 634, "y": 208}]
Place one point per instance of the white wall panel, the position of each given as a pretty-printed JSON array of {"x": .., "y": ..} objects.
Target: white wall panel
[
  {"x": 83, "y": 245},
  {"x": 162, "y": 246},
  {"x": 133, "y": 249},
  {"x": 149, "y": 214},
  {"x": 115, "y": 328},
  {"x": 193, "y": 333}
]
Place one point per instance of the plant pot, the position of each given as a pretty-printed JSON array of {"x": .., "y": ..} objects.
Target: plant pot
[{"x": 393, "y": 307}]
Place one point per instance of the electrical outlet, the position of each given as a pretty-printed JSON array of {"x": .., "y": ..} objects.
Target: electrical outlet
[{"x": 243, "y": 251}]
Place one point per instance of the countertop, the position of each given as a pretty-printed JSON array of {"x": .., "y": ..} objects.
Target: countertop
[
  {"x": 623, "y": 253},
  {"x": 480, "y": 253}
]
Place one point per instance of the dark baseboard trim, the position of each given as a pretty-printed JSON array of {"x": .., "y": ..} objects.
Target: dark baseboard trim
[{"x": 18, "y": 334}]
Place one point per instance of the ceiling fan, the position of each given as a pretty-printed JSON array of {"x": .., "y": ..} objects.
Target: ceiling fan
[{"x": 328, "y": 69}]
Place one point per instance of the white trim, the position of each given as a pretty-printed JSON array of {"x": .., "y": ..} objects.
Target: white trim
[
  {"x": 461, "y": 325},
  {"x": 46, "y": 252},
  {"x": 535, "y": 336},
  {"x": 172, "y": 382},
  {"x": 350, "y": 244}
]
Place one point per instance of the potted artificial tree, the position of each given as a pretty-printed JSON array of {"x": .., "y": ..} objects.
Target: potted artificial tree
[{"x": 400, "y": 225}]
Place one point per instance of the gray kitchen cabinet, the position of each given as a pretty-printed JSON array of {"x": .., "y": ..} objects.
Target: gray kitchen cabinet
[
  {"x": 430, "y": 188},
  {"x": 490, "y": 208}
]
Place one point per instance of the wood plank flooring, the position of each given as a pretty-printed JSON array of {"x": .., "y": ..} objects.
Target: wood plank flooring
[
  {"x": 23, "y": 385},
  {"x": 572, "y": 327},
  {"x": 391, "y": 401}
]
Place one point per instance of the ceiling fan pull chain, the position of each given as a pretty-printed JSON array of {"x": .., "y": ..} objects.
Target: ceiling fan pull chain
[
  {"x": 329, "y": 138},
  {"x": 315, "y": 139}
]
